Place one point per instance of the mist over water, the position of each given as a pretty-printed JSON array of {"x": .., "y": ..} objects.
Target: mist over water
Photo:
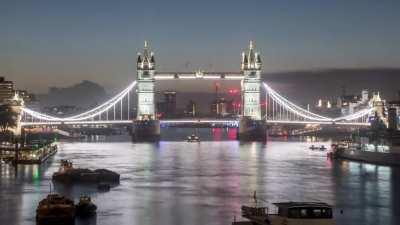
[{"x": 177, "y": 183}]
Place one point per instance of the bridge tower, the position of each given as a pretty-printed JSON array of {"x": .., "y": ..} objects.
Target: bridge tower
[
  {"x": 145, "y": 84},
  {"x": 146, "y": 126},
  {"x": 251, "y": 126},
  {"x": 17, "y": 103},
  {"x": 251, "y": 84}
]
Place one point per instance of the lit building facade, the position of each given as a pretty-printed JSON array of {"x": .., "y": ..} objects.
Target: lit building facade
[{"x": 6, "y": 90}]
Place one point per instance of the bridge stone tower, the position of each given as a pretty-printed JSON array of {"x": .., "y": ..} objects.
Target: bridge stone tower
[
  {"x": 251, "y": 126},
  {"x": 146, "y": 127},
  {"x": 17, "y": 103},
  {"x": 251, "y": 69},
  {"x": 145, "y": 84}
]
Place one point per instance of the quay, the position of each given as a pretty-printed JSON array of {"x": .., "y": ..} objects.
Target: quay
[{"x": 29, "y": 154}]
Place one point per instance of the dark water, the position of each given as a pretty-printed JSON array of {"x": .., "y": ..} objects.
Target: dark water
[{"x": 174, "y": 183}]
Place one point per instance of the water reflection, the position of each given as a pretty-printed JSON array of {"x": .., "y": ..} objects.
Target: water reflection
[{"x": 206, "y": 183}]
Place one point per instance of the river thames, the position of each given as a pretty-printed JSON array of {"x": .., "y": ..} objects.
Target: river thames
[{"x": 180, "y": 183}]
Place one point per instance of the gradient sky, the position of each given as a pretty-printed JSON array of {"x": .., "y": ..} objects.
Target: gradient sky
[{"x": 58, "y": 43}]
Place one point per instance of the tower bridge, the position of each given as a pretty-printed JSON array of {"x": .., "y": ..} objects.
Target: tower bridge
[{"x": 119, "y": 109}]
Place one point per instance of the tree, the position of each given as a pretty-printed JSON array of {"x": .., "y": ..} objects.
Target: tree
[{"x": 8, "y": 118}]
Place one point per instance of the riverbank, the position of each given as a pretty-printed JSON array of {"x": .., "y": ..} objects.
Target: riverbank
[{"x": 380, "y": 155}]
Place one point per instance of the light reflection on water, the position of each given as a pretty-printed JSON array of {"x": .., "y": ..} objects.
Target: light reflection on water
[{"x": 206, "y": 183}]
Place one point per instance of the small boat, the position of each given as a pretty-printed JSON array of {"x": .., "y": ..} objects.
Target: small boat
[
  {"x": 85, "y": 207},
  {"x": 193, "y": 138},
  {"x": 55, "y": 209},
  {"x": 321, "y": 148},
  {"x": 290, "y": 213}
]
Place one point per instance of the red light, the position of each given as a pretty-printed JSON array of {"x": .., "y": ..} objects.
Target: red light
[{"x": 233, "y": 91}]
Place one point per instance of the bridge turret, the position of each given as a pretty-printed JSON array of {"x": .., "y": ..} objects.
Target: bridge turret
[
  {"x": 146, "y": 60},
  {"x": 251, "y": 60},
  {"x": 145, "y": 84}
]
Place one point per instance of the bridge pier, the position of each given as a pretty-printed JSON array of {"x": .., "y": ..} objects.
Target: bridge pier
[
  {"x": 146, "y": 131},
  {"x": 252, "y": 130}
]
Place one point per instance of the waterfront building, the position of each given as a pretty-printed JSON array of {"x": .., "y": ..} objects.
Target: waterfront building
[{"x": 7, "y": 91}]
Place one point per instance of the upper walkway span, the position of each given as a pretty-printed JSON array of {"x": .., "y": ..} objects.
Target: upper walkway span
[{"x": 117, "y": 110}]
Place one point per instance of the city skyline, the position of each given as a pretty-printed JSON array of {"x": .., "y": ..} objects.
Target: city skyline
[{"x": 63, "y": 43}]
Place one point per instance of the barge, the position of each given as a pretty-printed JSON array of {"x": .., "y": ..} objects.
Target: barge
[{"x": 289, "y": 213}]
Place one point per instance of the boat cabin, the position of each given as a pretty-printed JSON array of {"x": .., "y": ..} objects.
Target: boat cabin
[
  {"x": 65, "y": 165},
  {"x": 289, "y": 213},
  {"x": 304, "y": 210}
]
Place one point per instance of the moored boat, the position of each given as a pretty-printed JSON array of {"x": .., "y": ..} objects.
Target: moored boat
[
  {"x": 321, "y": 148},
  {"x": 193, "y": 138},
  {"x": 85, "y": 207},
  {"x": 55, "y": 209},
  {"x": 289, "y": 213},
  {"x": 68, "y": 174}
]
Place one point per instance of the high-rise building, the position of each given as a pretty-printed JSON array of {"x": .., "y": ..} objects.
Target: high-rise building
[
  {"x": 6, "y": 89},
  {"x": 393, "y": 119},
  {"x": 393, "y": 114}
]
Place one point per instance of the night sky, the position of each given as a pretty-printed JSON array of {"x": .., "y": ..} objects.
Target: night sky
[{"x": 58, "y": 43}]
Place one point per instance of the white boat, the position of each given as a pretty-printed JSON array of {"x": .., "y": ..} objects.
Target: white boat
[
  {"x": 289, "y": 213},
  {"x": 193, "y": 138}
]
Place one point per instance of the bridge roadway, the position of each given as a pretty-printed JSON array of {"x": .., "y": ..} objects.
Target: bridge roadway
[
  {"x": 167, "y": 122},
  {"x": 194, "y": 122}
]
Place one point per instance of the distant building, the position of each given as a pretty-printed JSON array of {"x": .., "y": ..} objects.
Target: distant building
[
  {"x": 350, "y": 104},
  {"x": 327, "y": 108},
  {"x": 6, "y": 89},
  {"x": 393, "y": 114},
  {"x": 393, "y": 119},
  {"x": 62, "y": 110},
  {"x": 170, "y": 104},
  {"x": 167, "y": 108},
  {"x": 160, "y": 107},
  {"x": 26, "y": 96},
  {"x": 191, "y": 109},
  {"x": 221, "y": 107}
]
